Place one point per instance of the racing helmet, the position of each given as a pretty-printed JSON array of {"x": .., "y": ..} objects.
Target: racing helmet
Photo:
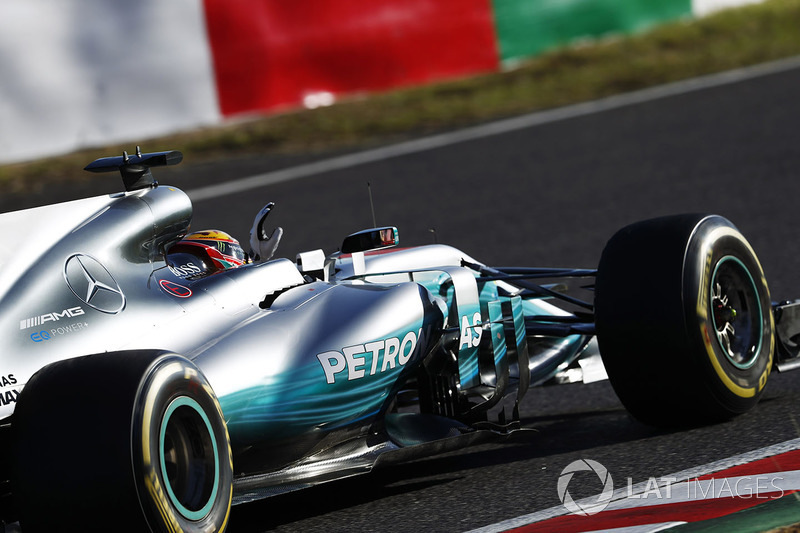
[{"x": 205, "y": 252}]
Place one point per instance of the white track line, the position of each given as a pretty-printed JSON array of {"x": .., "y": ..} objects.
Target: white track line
[
  {"x": 621, "y": 494},
  {"x": 493, "y": 128},
  {"x": 648, "y": 528}
]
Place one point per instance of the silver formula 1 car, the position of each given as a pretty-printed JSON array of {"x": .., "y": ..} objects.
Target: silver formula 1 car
[{"x": 139, "y": 392}]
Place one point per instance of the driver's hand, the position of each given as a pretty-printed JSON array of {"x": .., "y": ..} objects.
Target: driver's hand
[{"x": 262, "y": 247}]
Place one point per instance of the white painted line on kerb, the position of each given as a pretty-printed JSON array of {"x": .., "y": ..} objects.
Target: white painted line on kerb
[
  {"x": 492, "y": 128},
  {"x": 623, "y": 493}
]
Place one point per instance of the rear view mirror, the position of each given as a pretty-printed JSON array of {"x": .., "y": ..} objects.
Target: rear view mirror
[{"x": 370, "y": 239}]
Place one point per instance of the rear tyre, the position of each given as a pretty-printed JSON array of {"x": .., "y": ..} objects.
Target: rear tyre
[
  {"x": 684, "y": 320},
  {"x": 129, "y": 441}
]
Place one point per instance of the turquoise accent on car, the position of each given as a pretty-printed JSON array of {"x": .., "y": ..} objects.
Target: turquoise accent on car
[
  {"x": 497, "y": 330},
  {"x": 518, "y": 314},
  {"x": 185, "y": 401},
  {"x": 301, "y": 398}
]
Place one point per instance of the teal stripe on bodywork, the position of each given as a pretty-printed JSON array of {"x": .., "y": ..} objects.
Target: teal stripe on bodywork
[
  {"x": 518, "y": 314},
  {"x": 497, "y": 329},
  {"x": 301, "y": 399},
  {"x": 473, "y": 298}
]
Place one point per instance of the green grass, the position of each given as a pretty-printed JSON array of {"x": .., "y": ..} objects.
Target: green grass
[{"x": 586, "y": 71}]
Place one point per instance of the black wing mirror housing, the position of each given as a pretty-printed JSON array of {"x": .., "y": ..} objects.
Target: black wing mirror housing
[{"x": 371, "y": 239}]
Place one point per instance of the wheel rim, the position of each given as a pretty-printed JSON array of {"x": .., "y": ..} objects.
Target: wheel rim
[
  {"x": 736, "y": 312},
  {"x": 189, "y": 458}
]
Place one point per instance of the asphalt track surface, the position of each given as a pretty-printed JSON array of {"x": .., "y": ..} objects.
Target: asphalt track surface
[{"x": 549, "y": 195}]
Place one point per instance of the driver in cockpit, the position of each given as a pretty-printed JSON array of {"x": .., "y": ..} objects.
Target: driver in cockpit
[{"x": 205, "y": 252}]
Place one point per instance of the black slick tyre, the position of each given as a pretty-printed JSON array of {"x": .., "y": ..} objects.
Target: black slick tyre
[
  {"x": 684, "y": 320},
  {"x": 128, "y": 441}
]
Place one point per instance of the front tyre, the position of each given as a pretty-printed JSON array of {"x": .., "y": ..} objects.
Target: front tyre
[
  {"x": 128, "y": 441},
  {"x": 181, "y": 455},
  {"x": 684, "y": 320}
]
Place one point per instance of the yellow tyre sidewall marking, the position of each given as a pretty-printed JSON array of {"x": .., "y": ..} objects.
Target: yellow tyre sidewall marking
[
  {"x": 703, "y": 314},
  {"x": 151, "y": 481}
]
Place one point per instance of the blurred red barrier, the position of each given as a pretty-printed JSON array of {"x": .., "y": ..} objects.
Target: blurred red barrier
[{"x": 270, "y": 54}]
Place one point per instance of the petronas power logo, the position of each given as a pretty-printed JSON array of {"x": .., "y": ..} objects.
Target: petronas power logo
[{"x": 583, "y": 508}]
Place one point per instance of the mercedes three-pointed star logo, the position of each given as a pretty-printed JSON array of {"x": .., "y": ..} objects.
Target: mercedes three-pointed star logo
[{"x": 93, "y": 284}]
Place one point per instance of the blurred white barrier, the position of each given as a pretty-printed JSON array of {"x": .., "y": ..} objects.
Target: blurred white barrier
[
  {"x": 704, "y": 7},
  {"x": 77, "y": 73}
]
